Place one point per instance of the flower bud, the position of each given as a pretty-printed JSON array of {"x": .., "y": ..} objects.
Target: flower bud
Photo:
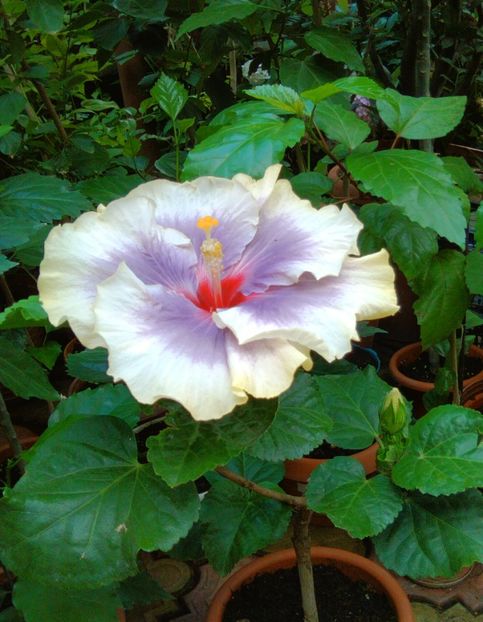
[{"x": 393, "y": 415}]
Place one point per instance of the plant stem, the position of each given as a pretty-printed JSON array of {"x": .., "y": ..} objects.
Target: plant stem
[
  {"x": 298, "y": 502},
  {"x": 51, "y": 109},
  {"x": 11, "y": 434},
  {"x": 301, "y": 543},
  {"x": 148, "y": 424},
  {"x": 300, "y": 159},
  {"x": 316, "y": 13},
  {"x": 6, "y": 290},
  {"x": 422, "y": 63},
  {"x": 453, "y": 353}
]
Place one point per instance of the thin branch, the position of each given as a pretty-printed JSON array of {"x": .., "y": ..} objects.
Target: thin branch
[
  {"x": 51, "y": 110},
  {"x": 301, "y": 543},
  {"x": 298, "y": 502},
  {"x": 148, "y": 424},
  {"x": 453, "y": 352}
]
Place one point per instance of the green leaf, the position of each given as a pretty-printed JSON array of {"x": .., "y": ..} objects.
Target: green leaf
[
  {"x": 311, "y": 186},
  {"x": 238, "y": 522},
  {"x": 360, "y": 85},
  {"x": 186, "y": 449},
  {"x": 40, "y": 198},
  {"x": 46, "y": 354},
  {"x": 473, "y": 319},
  {"x": 280, "y": 97},
  {"x": 321, "y": 92},
  {"x": 11, "y": 615},
  {"x": 442, "y": 455},
  {"x": 113, "y": 400},
  {"x": 433, "y": 536},
  {"x": 218, "y": 12},
  {"x": 305, "y": 74},
  {"x": 299, "y": 425},
  {"x": 462, "y": 173},
  {"x": 474, "y": 272},
  {"x": 253, "y": 469},
  {"x": 410, "y": 245},
  {"x": 417, "y": 182},
  {"x": 249, "y": 109},
  {"x": 170, "y": 95},
  {"x": 479, "y": 228},
  {"x": 11, "y": 105},
  {"x": 41, "y": 604},
  {"x": 85, "y": 507},
  {"x": 24, "y": 313},
  {"x": 340, "y": 124},
  {"x": 20, "y": 373},
  {"x": 47, "y": 15},
  {"x": 89, "y": 365},
  {"x": 443, "y": 297},
  {"x": 352, "y": 402},
  {"x": 150, "y": 10},
  {"x": 108, "y": 188},
  {"x": 363, "y": 507},
  {"x": 335, "y": 45},
  {"x": 16, "y": 230},
  {"x": 10, "y": 143},
  {"x": 31, "y": 253},
  {"x": 249, "y": 146},
  {"x": 141, "y": 589},
  {"x": 420, "y": 117},
  {"x": 6, "y": 264}
]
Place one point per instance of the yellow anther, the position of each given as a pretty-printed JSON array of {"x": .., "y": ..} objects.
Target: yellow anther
[{"x": 207, "y": 223}]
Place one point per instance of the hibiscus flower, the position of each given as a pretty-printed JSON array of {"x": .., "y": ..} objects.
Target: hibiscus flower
[{"x": 208, "y": 291}]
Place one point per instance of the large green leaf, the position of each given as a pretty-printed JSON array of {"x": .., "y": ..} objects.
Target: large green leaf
[
  {"x": 335, "y": 45},
  {"x": 109, "y": 187},
  {"x": 443, "y": 455},
  {"x": 186, "y": 449},
  {"x": 352, "y": 402},
  {"x": 11, "y": 105},
  {"x": 31, "y": 253},
  {"x": 47, "y": 15},
  {"x": 463, "y": 174},
  {"x": 238, "y": 522},
  {"x": 253, "y": 469},
  {"x": 40, "y": 198},
  {"x": 6, "y": 264},
  {"x": 433, "y": 536},
  {"x": 360, "y": 85},
  {"x": 417, "y": 182},
  {"x": 41, "y": 604},
  {"x": 86, "y": 506},
  {"x": 249, "y": 146},
  {"x": 150, "y": 10},
  {"x": 300, "y": 424},
  {"x": 311, "y": 186},
  {"x": 16, "y": 230},
  {"x": 474, "y": 272},
  {"x": 47, "y": 353},
  {"x": 218, "y": 12},
  {"x": 363, "y": 507},
  {"x": 113, "y": 400},
  {"x": 340, "y": 124},
  {"x": 281, "y": 97},
  {"x": 20, "y": 373},
  {"x": 142, "y": 589},
  {"x": 170, "y": 95},
  {"x": 420, "y": 117},
  {"x": 24, "y": 313},
  {"x": 89, "y": 365},
  {"x": 410, "y": 245},
  {"x": 305, "y": 74},
  {"x": 443, "y": 297}
]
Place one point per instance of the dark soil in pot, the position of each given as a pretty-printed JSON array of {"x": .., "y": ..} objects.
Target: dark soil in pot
[
  {"x": 326, "y": 451},
  {"x": 420, "y": 369},
  {"x": 275, "y": 597}
]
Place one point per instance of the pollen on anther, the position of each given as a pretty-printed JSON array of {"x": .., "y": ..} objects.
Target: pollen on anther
[{"x": 207, "y": 223}]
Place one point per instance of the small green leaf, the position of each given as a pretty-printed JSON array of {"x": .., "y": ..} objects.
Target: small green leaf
[
  {"x": 360, "y": 85},
  {"x": 352, "y": 402},
  {"x": 420, "y": 117},
  {"x": 186, "y": 449},
  {"x": 479, "y": 228},
  {"x": 24, "y": 313},
  {"x": 238, "y": 522},
  {"x": 41, "y": 604},
  {"x": 149, "y": 10},
  {"x": 108, "y": 188},
  {"x": 11, "y": 105},
  {"x": 340, "y": 124},
  {"x": 218, "y": 12},
  {"x": 280, "y": 97},
  {"x": 321, "y": 92},
  {"x": 141, "y": 589},
  {"x": 46, "y": 354},
  {"x": 363, "y": 507},
  {"x": 6, "y": 264},
  {"x": 442, "y": 456},
  {"x": 299, "y": 425},
  {"x": 443, "y": 297},
  {"x": 302, "y": 75},
  {"x": 335, "y": 45},
  {"x": 86, "y": 506},
  {"x": 170, "y": 95},
  {"x": 417, "y": 182},
  {"x": 253, "y": 469},
  {"x": 113, "y": 400},
  {"x": 47, "y": 15},
  {"x": 311, "y": 186},
  {"x": 248, "y": 146},
  {"x": 31, "y": 253},
  {"x": 433, "y": 536},
  {"x": 20, "y": 373},
  {"x": 89, "y": 365},
  {"x": 463, "y": 174},
  {"x": 473, "y": 319},
  {"x": 474, "y": 272}
]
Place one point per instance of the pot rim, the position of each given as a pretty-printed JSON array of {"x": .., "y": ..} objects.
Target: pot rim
[{"x": 286, "y": 558}]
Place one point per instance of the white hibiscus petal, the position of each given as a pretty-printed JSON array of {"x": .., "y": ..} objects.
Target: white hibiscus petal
[
  {"x": 262, "y": 188},
  {"x": 318, "y": 314},
  {"x": 163, "y": 346},
  {"x": 263, "y": 368}
]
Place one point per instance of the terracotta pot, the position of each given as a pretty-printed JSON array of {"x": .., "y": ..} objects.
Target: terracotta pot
[
  {"x": 415, "y": 388},
  {"x": 26, "y": 438},
  {"x": 355, "y": 566},
  {"x": 443, "y": 583},
  {"x": 121, "y": 615},
  {"x": 472, "y": 396}
]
